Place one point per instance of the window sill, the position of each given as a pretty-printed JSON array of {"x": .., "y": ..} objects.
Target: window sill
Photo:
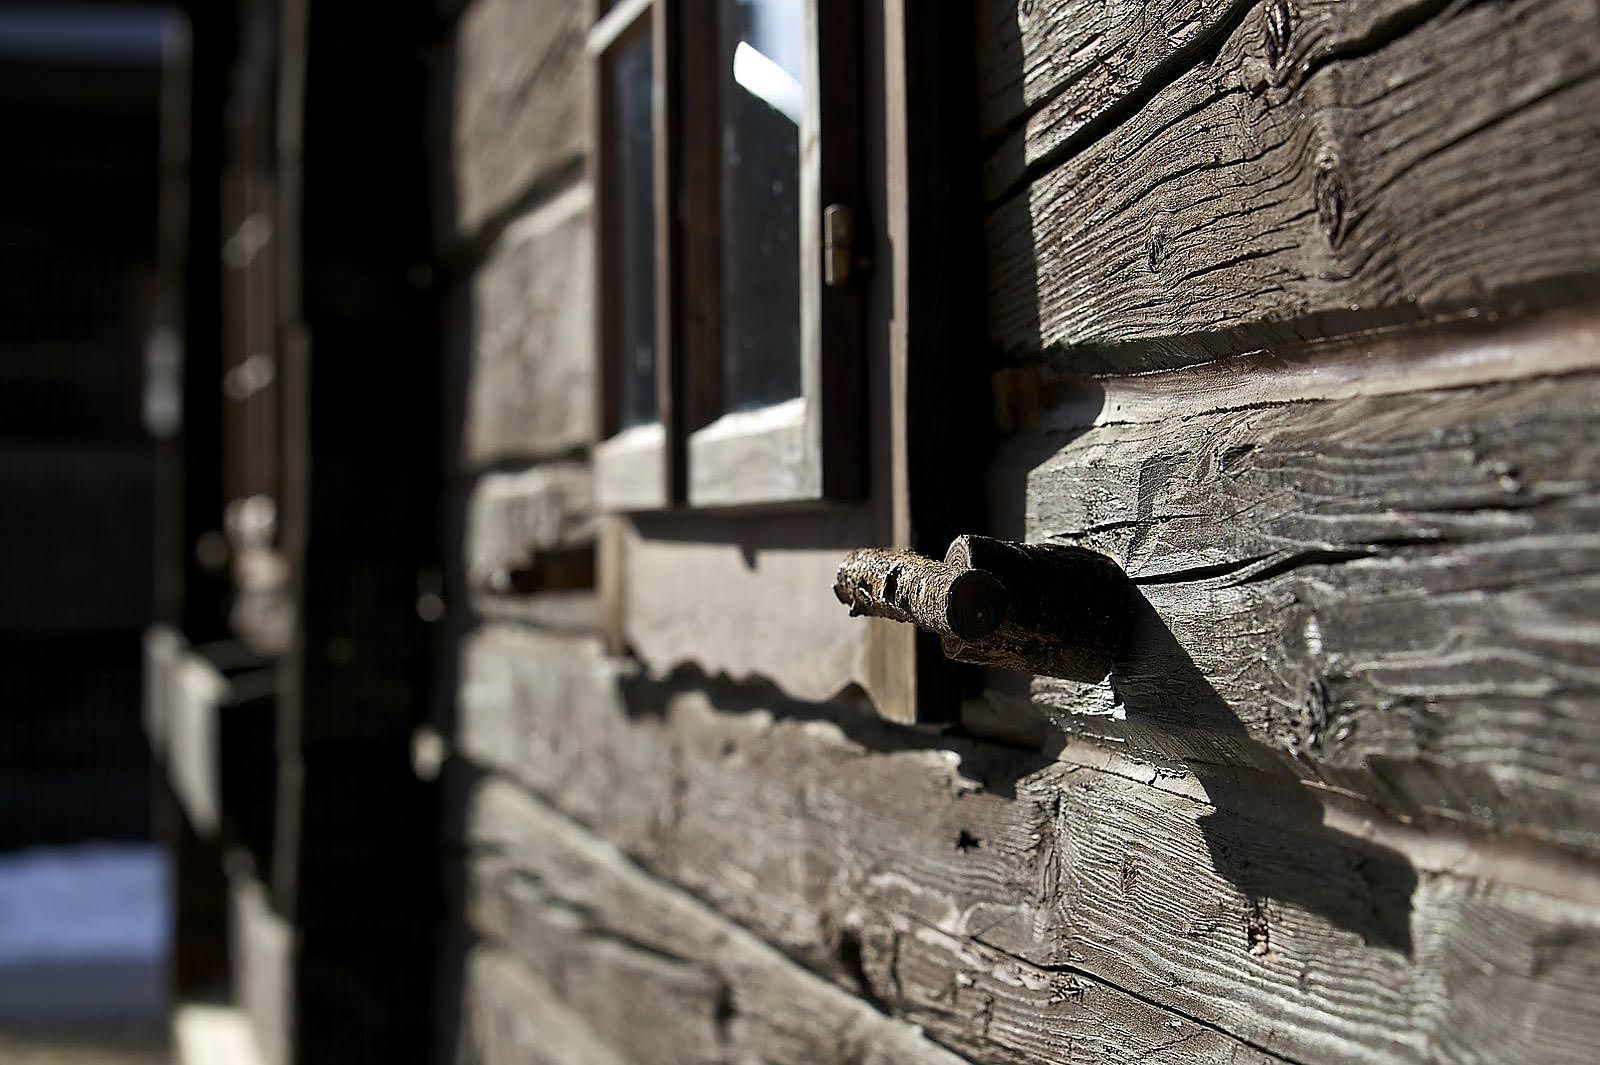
[
  {"x": 758, "y": 456},
  {"x": 630, "y": 470}
]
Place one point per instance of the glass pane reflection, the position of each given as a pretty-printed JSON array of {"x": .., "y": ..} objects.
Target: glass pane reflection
[
  {"x": 630, "y": 76},
  {"x": 762, "y": 45}
]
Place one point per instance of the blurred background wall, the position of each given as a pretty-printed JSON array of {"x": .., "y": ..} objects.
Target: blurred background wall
[
  {"x": 84, "y": 241},
  {"x": 81, "y": 97}
]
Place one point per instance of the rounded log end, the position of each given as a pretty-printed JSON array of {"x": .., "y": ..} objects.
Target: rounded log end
[{"x": 977, "y": 605}]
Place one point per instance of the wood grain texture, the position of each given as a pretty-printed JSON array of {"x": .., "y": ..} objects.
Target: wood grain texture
[
  {"x": 904, "y": 586},
  {"x": 1047, "y": 70},
  {"x": 510, "y": 1016},
  {"x": 1023, "y": 909},
  {"x": 513, "y": 96},
  {"x": 1391, "y": 594},
  {"x": 700, "y": 988},
  {"x": 1326, "y": 166},
  {"x": 531, "y": 360}
]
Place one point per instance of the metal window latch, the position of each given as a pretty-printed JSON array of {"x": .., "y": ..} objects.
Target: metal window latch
[
  {"x": 1048, "y": 609},
  {"x": 838, "y": 245}
]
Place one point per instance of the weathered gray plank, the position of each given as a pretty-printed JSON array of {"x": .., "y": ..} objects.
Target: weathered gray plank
[
  {"x": 700, "y": 987},
  {"x": 746, "y": 600},
  {"x": 1393, "y": 592},
  {"x": 530, "y": 360},
  {"x": 1331, "y": 165},
  {"x": 559, "y": 611},
  {"x": 511, "y": 1017},
  {"x": 1015, "y": 906},
  {"x": 531, "y": 531},
  {"x": 1060, "y": 65},
  {"x": 513, "y": 96},
  {"x": 1053, "y": 76}
]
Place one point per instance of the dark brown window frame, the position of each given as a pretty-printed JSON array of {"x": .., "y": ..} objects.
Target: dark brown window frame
[
  {"x": 805, "y": 450},
  {"x": 634, "y": 467},
  {"x": 915, "y": 464}
]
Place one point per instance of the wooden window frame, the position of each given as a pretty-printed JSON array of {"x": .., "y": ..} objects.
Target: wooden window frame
[
  {"x": 808, "y": 449},
  {"x": 634, "y": 467},
  {"x": 917, "y": 461}
]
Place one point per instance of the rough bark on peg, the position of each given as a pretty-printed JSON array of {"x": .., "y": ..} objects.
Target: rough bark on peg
[
  {"x": 1041, "y": 608},
  {"x": 953, "y": 603}
]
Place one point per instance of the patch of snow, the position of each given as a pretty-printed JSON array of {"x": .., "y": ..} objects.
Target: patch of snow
[{"x": 94, "y": 901}]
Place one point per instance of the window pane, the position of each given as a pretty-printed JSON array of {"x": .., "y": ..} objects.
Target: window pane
[
  {"x": 762, "y": 45},
  {"x": 629, "y": 76}
]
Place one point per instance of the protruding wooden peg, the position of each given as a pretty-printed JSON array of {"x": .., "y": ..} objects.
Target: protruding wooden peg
[
  {"x": 952, "y": 602},
  {"x": 1042, "y": 608}
]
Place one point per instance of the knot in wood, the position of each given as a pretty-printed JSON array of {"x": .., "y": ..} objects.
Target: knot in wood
[{"x": 1329, "y": 194}]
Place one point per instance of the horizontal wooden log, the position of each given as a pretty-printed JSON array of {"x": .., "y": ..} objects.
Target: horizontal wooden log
[
  {"x": 1061, "y": 66},
  {"x": 559, "y": 895},
  {"x": 1328, "y": 166},
  {"x": 1016, "y": 906},
  {"x": 1054, "y": 76},
  {"x": 499, "y": 725},
  {"x": 512, "y": 101},
  {"x": 1390, "y": 593},
  {"x": 509, "y": 1016},
  {"x": 746, "y": 599},
  {"x": 560, "y": 611},
  {"x": 526, "y": 330},
  {"x": 513, "y": 516},
  {"x": 531, "y": 531}
]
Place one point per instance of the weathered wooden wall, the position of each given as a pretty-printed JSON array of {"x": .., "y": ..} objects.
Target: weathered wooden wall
[
  {"x": 1355, "y": 242},
  {"x": 1336, "y": 803}
]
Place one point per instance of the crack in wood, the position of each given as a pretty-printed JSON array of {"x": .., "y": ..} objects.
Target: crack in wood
[
  {"x": 1094, "y": 979},
  {"x": 1156, "y": 80}
]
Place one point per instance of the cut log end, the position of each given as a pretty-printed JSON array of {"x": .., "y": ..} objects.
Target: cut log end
[
  {"x": 1041, "y": 608},
  {"x": 977, "y": 604}
]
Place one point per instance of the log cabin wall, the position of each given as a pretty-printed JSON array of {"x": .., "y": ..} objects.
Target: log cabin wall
[
  {"x": 597, "y": 918},
  {"x": 1285, "y": 306},
  {"x": 1288, "y": 313}
]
